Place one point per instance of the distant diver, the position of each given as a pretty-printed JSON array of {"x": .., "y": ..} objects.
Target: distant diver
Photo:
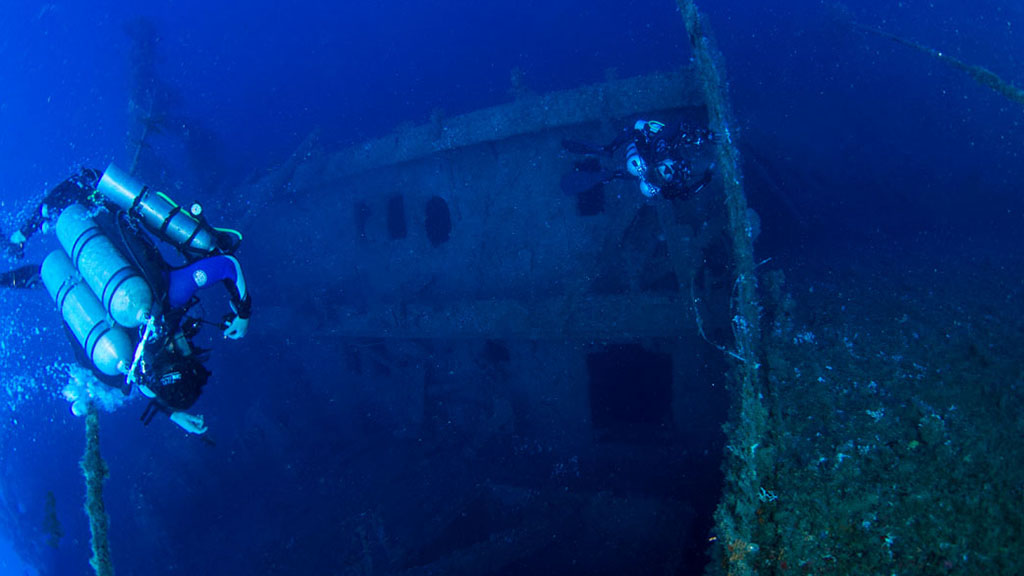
[
  {"x": 658, "y": 155},
  {"x": 124, "y": 304}
]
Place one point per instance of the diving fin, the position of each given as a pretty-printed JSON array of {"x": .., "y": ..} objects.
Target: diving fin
[
  {"x": 579, "y": 181},
  {"x": 574, "y": 147}
]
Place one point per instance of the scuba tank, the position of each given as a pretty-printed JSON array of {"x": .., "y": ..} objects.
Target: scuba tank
[
  {"x": 121, "y": 290},
  {"x": 637, "y": 166},
  {"x": 183, "y": 229},
  {"x": 109, "y": 347},
  {"x": 634, "y": 162}
]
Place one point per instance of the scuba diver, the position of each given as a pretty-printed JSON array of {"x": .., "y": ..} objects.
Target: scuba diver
[
  {"x": 658, "y": 155},
  {"x": 126, "y": 307}
]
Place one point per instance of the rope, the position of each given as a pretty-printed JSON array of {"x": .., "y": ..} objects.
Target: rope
[{"x": 95, "y": 471}]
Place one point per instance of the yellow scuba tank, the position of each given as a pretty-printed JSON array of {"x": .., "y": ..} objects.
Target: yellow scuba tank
[
  {"x": 109, "y": 347},
  {"x": 161, "y": 215},
  {"x": 120, "y": 288}
]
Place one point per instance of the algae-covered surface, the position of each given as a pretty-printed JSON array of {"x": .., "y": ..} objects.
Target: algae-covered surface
[{"x": 896, "y": 399}]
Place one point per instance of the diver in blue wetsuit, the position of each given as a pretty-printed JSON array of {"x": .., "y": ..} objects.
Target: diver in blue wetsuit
[
  {"x": 111, "y": 280},
  {"x": 185, "y": 281}
]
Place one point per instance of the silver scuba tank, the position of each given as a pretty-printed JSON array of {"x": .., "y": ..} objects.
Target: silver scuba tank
[
  {"x": 635, "y": 163},
  {"x": 109, "y": 347},
  {"x": 161, "y": 215},
  {"x": 121, "y": 289}
]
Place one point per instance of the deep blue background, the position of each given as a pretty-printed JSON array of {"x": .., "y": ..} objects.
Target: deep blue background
[{"x": 860, "y": 143}]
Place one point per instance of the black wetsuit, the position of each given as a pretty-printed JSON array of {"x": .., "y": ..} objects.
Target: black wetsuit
[
  {"x": 662, "y": 147},
  {"x": 676, "y": 143},
  {"x": 171, "y": 370},
  {"x": 75, "y": 190},
  {"x": 120, "y": 229}
]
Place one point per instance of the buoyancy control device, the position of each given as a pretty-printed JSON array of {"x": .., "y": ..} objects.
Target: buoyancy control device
[
  {"x": 120, "y": 288},
  {"x": 107, "y": 345},
  {"x": 186, "y": 230}
]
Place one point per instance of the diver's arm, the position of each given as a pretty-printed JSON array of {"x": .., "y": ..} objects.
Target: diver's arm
[
  {"x": 184, "y": 282},
  {"x": 240, "y": 290},
  {"x": 685, "y": 191},
  {"x": 241, "y": 304},
  {"x": 75, "y": 190},
  {"x": 627, "y": 135}
]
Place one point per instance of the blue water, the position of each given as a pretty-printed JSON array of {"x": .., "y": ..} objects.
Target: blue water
[{"x": 865, "y": 145}]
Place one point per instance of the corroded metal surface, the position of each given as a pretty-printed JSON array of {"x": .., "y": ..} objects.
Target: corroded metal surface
[{"x": 528, "y": 114}]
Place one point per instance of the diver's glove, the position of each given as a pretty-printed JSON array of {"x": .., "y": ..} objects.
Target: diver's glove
[
  {"x": 15, "y": 246},
  {"x": 236, "y": 328},
  {"x": 189, "y": 423}
]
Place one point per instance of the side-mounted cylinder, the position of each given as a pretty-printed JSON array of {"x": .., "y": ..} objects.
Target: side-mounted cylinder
[
  {"x": 158, "y": 213},
  {"x": 108, "y": 346}
]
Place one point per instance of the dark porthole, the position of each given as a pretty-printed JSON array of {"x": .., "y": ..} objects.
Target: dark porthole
[{"x": 439, "y": 221}]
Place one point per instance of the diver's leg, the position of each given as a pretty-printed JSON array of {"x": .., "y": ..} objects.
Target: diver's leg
[{"x": 23, "y": 277}]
